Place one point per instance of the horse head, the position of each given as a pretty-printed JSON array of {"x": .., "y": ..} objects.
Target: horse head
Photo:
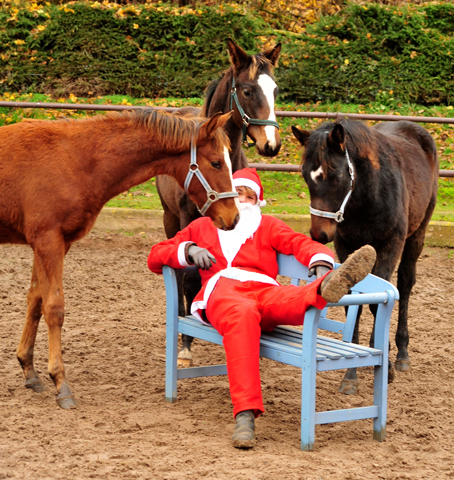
[
  {"x": 209, "y": 180},
  {"x": 252, "y": 96},
  {"x": 329, "y": 174}
]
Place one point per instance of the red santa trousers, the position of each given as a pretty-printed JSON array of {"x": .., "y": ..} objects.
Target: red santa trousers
[{"x": 239, "y": 311}]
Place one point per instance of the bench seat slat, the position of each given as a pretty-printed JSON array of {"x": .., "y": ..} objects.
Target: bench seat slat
[
  {"x": 338, "y": 345},
  {"x": 282, "y": 330},
  {"x": 287, "y": 338}
]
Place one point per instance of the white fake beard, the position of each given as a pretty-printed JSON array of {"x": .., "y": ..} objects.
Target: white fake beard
[
  {"x": 231, "y": 241},
  {"x": 250, "y": 218}
]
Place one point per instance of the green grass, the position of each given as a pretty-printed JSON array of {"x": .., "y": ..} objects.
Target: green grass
[{"x": 284, "y": 192}]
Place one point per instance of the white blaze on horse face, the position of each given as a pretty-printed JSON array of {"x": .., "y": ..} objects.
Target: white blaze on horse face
[
  {"x": 228, "y": 162},
  {"x": 268, "y": 86},
  {"x": 316, "y": 174}
]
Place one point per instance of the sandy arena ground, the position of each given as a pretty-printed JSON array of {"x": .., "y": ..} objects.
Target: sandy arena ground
[{"x": 114, "y": 345}]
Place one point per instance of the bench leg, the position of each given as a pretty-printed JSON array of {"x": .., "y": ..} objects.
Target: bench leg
[
  {"x": 171, "y": 360},
  {"x": 308, "y": 379},
  {"x": 380, "y": 399},
  {"x": 381, "y": 375}
]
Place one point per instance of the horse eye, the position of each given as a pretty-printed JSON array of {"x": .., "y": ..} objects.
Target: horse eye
[
  {"x": 247, "y": 93},
  {"x": 216, "y": 165},
  {"x": 337, "y": 179}
]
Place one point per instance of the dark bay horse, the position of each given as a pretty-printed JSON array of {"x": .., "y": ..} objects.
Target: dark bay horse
[
  {"x": 55, "y": 177},
  {"x": 374, "y": 186},
  {"x": 248, "y": 88}
]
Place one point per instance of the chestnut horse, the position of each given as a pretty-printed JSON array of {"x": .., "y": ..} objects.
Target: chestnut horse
[
  {"x": 374, "y": 186},
  {"x": 55, "y": 177},
  {"x": 248, "y": 88}
]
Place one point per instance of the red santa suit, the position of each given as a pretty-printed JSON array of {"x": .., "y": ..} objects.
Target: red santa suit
[{"x": 240, "y": 294}]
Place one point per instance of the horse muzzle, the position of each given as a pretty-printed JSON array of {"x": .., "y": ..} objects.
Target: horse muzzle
[
  {"x": 269, "y": 149},
  {"x": 222, "y": 224},
  {"x": 322, "y": 230}
]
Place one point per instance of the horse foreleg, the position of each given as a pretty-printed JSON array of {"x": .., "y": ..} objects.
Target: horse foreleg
[
  {"x": 191, "y": 286},
  {"x": 184, "y": 359},
  {"x": 27, "y": 341},
  {"x": 49, "y": 254},
  {"x": 349, "y": 384}
]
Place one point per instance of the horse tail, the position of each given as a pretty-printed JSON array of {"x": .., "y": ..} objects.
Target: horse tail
[{"x": 424, "y": 138}]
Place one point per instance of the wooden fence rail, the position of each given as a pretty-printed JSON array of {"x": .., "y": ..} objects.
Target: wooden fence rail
[{"x": 259, "y": 166}]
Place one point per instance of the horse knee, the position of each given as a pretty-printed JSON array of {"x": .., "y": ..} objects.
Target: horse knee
[{"x": 54, "y": 311}]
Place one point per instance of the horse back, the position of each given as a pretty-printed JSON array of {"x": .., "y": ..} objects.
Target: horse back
[
  {"x": 413, "y": 151},
  {"x": 404, "y": 135}
]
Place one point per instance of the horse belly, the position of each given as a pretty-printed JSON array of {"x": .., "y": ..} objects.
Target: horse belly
[{"x": 10, "y": 235}]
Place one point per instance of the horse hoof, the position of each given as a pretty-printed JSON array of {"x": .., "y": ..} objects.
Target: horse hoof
[
  {"x": 402, "y": 365},
  {"x": 184, "y": 362},
  {"x": 184, "y": 358},
  {"x": 35, "y": 385},
  {"x": 348, "y": 387},
  {"x": 67, "y": 403}
]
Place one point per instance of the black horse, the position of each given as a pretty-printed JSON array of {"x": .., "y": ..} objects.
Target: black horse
[
  {"x": 374, "y": 186},
  {"x": 247, "y": 88}
]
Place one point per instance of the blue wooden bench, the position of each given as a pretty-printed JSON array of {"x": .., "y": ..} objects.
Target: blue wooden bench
[{"x": 303, "y": 349}]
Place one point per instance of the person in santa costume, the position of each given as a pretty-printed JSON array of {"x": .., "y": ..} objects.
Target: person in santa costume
[{"x": 240, "y": 296}]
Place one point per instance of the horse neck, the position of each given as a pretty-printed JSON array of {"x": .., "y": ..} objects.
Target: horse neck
[
  {"x": 220, "y": 102},
  {"x": 119, "y": 157}
]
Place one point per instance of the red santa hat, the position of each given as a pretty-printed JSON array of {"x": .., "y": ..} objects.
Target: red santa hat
[{"x": 248, "y": 177}]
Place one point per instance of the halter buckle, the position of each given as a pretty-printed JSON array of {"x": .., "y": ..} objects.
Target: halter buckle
[
  {"x": 213, "y": 196},
  {"x": 339, "y": 217}
]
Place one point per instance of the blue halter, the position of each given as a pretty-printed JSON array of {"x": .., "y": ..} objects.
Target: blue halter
[{"x": 244, "y": 117}]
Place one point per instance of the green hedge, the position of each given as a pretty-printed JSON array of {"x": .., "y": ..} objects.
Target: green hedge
[
  {"x": 364, "y": 53},
  {"x": 142, "y": 50},
  {"x": 374, "y": 52}
]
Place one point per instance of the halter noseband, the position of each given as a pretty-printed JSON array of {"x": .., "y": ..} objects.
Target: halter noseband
[
  {"x": 212, "y": 195},
  {"x": 339, "y": 215},
  {"x": 245, "y": 118}
]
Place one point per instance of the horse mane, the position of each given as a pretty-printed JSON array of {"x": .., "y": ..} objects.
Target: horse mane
[
  {"x": 359, "y": 139},
  {"x": 259, "y": 61},
  {"x": 209, "y": 92},
  {"x": 174, "y": 132}
]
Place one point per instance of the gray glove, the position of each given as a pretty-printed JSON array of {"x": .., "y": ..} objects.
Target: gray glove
[
  {"x": 200, "y": 257},
  {"x": 319, "y": 271}
]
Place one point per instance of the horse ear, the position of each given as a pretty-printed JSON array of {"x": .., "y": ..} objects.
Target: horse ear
[
  {"x": 273, "y": 54},
  {"x": 301, "y": 135},
  {"x": 337, "y": 137},
  {"x": 218, "y": 120},
  {"x": 238, "y": 57}
]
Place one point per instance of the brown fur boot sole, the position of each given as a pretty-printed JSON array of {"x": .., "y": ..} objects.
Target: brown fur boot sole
[
  {"x": 243, "y": 435},
  {"x": 357, "y": 266}
]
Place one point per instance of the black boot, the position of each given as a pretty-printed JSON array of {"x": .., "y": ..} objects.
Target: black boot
[
  {"x": 357, "y": 266},
  {"x": 243, "y": 435}
]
